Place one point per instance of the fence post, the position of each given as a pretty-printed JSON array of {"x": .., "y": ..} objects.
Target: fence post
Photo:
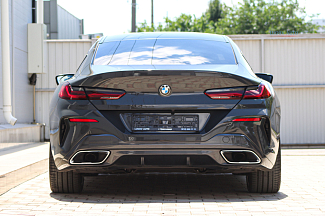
[{"x": 262, "y": 55}]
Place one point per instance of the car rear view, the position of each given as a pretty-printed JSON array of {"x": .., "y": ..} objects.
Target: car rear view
[{"x": 165, "y": 102}]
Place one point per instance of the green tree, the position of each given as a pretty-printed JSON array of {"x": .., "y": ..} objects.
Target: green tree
[
  {"x": 262, "y": 17},
  {"x": 144, "y": 27},
  {"x": 215, "y": 10},
  {"x": 249, "y": 17},
  {"x": 184, "y": 23}
]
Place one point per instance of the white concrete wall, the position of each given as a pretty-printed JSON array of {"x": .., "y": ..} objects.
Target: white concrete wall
[{"x": 20, "y": 14}]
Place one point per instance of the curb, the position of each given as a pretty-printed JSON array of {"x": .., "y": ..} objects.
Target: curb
[
  {"x": 302, "y": 146},
  {"x": 19, "y": 176}
]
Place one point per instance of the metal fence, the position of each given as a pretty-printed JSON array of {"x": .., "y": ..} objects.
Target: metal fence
[
  {"x": 298, "y": 65},
  {"x": 63, "y": 56},
  {"x": 296, "y": 61}
]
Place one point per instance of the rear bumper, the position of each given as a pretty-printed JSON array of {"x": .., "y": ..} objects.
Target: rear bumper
[{"x": 150, "y": 156}]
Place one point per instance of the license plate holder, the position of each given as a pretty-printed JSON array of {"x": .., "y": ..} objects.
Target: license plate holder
[{"x": 165, "y": 122}]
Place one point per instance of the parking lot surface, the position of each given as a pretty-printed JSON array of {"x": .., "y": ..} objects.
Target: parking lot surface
[{"x": 302, "y": 193}]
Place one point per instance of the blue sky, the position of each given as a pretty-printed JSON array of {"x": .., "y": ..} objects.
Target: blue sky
[{"x": 114, "y": 16}]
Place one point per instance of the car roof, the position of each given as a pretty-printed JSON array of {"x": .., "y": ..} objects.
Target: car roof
[{"x": 164, "y": 35}]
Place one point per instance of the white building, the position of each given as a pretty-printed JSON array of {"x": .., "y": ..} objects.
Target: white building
[{"x": 60, "y": 25}]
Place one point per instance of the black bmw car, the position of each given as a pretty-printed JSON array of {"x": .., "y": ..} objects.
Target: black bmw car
[{"x": 165, "y": 102}]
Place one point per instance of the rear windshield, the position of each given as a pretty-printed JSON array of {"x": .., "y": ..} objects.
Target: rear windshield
[{"x": 164, "y": 52}]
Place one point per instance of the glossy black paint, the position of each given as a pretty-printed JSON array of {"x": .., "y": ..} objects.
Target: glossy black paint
[
  {"x": 265, "y": 76},
  {"x": 189, "y": 84}
]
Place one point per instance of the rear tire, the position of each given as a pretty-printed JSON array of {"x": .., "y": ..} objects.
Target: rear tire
[
  {"x": 64, "y": 182},
  {"x": 265, "y": 181}
]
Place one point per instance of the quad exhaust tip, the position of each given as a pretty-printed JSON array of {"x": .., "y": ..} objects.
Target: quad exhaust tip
[
  {"x": 90, "y": 157},
  {"x": 240, "y": 157}
]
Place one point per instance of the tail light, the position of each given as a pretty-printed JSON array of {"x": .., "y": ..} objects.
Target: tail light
[
  {"x": 72, "y": 93},
  {"x": 83, "y": 120},
  {"x": 225, "y": 94},
  {"x": 257, "y": 93},
  {"x": 78, "y": 93},
  {"x": 104, "y": 94}
]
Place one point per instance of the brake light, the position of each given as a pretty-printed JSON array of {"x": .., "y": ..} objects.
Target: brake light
[
  {"x": 81, "y": 120},
  {"x": 225, "y": 94},
  {"x": 72, "y": 93},
  {"x": 104, "y": 94},
  {"x": 247, "y": 120},
  {"x": 258, "y": 93},
  {"x": 78, "y": 93}
]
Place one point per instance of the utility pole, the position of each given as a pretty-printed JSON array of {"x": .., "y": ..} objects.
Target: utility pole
[
  {"x": 151, "y": 13},
  {"x": 134, "y": 5}
]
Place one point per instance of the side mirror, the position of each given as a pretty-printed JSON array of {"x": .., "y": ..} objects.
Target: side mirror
[
  {"x": 265, "y": 76},
  {"x": 62, "y": 77}
]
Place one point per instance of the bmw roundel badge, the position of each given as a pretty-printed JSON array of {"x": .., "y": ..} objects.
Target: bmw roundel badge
[{"x": 165, "y": 90}]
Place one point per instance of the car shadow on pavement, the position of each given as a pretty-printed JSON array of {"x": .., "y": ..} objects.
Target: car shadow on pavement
[{"x": 163, "y": 188}]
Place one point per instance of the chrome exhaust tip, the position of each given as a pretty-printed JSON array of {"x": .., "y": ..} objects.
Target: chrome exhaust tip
[
  {"x": 89, "y": 157},
  {"x": 240, "y": 157}
]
